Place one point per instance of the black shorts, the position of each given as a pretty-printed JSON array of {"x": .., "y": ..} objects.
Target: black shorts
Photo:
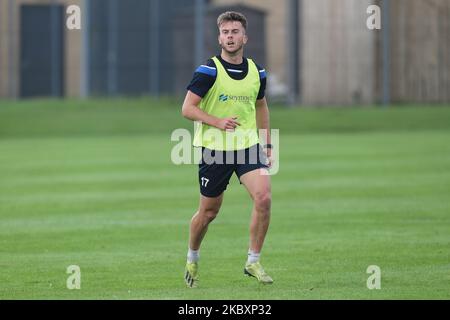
[{"x": 217, "y": 167}]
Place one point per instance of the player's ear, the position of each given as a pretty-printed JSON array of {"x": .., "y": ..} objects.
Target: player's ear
[{"x": 245, "y": 39}]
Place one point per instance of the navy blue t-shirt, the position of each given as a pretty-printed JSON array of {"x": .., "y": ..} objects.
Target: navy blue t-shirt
[{"x": 205, "y": 76}]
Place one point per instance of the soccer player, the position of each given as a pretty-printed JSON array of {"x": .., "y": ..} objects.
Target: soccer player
[{"x": 228, "y": 95}]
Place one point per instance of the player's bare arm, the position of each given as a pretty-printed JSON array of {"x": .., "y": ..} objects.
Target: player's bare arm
[
  {"x": 263, "y": 122},
  {"x": 191, "y": 111}
]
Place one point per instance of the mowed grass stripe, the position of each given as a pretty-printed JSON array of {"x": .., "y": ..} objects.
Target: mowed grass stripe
[{"x": 332, "y": 217}]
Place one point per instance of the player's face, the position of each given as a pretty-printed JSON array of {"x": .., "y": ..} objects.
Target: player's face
[{"x": 232, "y": 37}]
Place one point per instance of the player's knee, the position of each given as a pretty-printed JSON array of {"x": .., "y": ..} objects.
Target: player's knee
[
  {"x": 209, "y": 213},
  {"x": 263, "y": 201}
]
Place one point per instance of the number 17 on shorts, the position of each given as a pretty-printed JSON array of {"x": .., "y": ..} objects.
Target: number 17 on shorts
[{"x": 204, "y": 182}]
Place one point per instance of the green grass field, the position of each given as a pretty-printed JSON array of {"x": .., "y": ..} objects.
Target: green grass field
[{"x": 91, "y": 184}]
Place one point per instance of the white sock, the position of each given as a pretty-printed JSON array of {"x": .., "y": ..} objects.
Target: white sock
[
  {"x": 252, "y": 257},
  {"x": 193, "y": 255}
]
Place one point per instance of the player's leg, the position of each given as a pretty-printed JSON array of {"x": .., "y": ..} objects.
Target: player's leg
[
  {"x": 213, "y": 181},
  {"x": 254, "y": 176},
  {"x": 258, "y": 186},
  {"x": 207, "y": 212},
  {"x": 208, "y": 209}
]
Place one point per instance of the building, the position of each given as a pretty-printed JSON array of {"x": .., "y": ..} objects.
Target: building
[
  {"x": 153, "y": 46},
  {"x": 28, "y": 56},
  {"x": 342, "y": 62}
]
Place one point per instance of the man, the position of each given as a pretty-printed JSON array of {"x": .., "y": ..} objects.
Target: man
[{"x": 227, "y": 95}]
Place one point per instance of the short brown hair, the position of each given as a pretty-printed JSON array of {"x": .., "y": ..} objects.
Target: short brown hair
[{"x": 232, "y": 16}]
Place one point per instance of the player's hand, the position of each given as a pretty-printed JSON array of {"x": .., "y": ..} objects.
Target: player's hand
[
  {"x": 268, "y": 152},
  {"x": 228, "y": 124}
]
